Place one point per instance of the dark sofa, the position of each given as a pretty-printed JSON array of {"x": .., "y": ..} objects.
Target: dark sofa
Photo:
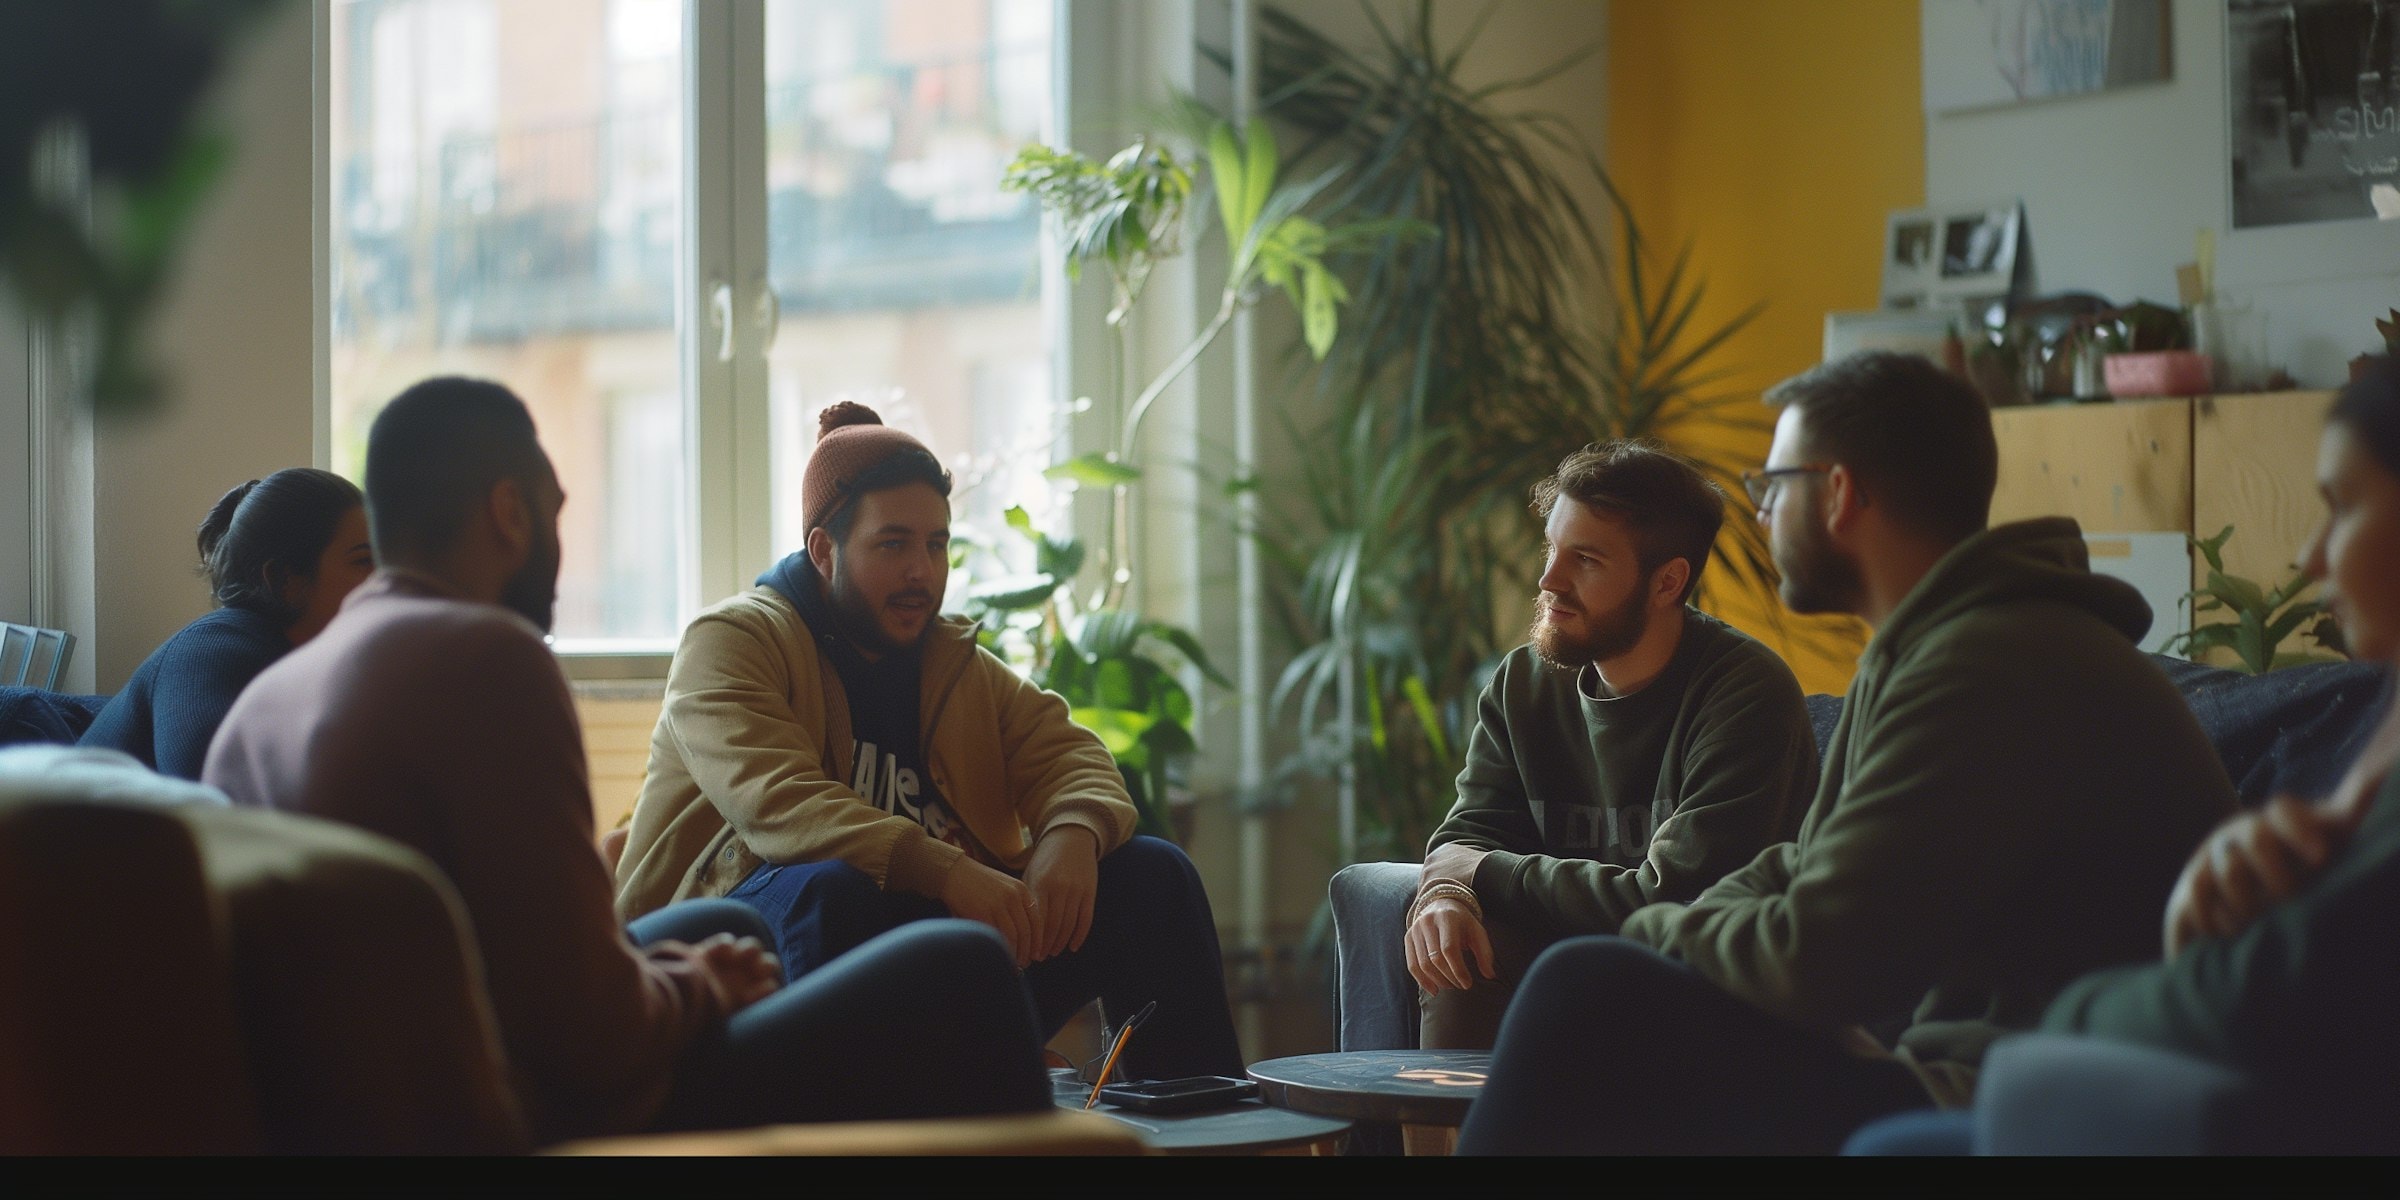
[{"x": 2293, "y": 730}]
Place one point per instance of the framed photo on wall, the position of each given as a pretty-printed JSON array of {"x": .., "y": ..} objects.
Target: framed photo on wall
[
  {"x": 2311, "y": 90},
  {"x": 1982, "y": 54}
]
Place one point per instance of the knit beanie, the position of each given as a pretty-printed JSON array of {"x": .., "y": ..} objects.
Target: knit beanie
[{"x": 851, "y": 440}]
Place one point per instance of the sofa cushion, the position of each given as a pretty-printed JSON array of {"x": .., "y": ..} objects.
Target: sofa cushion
[{"x": 2291, "y": 730}]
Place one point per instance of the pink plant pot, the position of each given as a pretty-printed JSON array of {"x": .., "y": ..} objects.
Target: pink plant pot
[{"x": 2157, "y": 373}]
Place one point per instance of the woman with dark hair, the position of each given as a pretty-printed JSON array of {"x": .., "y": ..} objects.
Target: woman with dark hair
[
  {"x": 280, "y": 554},
  {"x": 2280, "y": 969}
]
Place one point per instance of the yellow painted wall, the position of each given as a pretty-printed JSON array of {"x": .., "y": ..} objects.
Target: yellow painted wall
[{"x": 1774, "y": 136}]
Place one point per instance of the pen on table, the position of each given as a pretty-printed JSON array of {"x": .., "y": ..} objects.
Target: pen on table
[{"x": 1124, "y": 1033}]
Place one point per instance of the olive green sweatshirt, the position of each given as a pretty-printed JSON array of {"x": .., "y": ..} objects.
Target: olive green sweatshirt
[
  {"x": 2303, "y": 997},
  {"x": 2008, "y": 797},
  {"x": 1595, "y": 807}
]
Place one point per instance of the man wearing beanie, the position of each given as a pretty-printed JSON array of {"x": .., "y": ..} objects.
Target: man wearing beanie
[{"x": 837, "y": 754}]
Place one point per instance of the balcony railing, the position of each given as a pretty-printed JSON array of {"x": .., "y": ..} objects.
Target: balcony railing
[{"x": 572, "y": 227}]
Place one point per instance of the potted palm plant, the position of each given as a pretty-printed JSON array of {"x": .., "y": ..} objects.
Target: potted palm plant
[
  {"x": 116, "y": 91},
  {"x": 1469, "y": 362}
]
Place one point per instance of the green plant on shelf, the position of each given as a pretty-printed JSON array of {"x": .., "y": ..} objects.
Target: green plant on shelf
[{"x": 2258, "y": 620}]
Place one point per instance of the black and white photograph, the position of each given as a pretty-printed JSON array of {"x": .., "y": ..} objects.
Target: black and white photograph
[
  {"x": 2313, "y": 120},
  {"x": 1976, "y": 248},
  {"x": 1908, "y": 257}
]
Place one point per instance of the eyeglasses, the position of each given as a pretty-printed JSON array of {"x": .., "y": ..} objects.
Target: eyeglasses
[{"x": 1759, "y": 482}]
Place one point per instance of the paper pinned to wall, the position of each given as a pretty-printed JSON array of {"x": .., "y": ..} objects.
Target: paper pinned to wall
[
  {"x": 1987, "y": 53},
  {"x": 2159, "y": 565}
]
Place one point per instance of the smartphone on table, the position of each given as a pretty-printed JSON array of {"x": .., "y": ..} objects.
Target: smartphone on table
[{"x": 1190, "y": 1094}]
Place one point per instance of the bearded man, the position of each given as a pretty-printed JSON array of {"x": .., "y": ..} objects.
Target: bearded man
[
  {"x": 1633, "y": 751},
  {"x": 840, "y": 756}
]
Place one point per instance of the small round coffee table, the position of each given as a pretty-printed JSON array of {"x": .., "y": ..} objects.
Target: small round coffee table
[
  {"x": 1425, "y": 1092},
  {"x": 1244, "y": 1127}
]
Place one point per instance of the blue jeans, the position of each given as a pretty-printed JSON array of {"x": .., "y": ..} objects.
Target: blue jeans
[
  {"x": 1153, "y": 938},
  {"x": 1613, "y": 1048},
  {"x": 927, "y": 1021}
]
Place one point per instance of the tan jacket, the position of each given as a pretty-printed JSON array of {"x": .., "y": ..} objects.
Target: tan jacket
[{"x": 755, "y": 735}]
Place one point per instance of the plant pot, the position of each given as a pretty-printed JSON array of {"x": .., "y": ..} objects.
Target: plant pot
[{"x": 2157, "y": 373}]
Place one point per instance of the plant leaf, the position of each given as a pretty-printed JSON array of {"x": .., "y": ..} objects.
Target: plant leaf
[{"x": 1096, "y": 469}]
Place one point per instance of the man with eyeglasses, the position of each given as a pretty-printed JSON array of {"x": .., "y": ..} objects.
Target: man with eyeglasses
[
  {"x": 1633, "y": 750},
  {"x": 2007, "y": 799}
]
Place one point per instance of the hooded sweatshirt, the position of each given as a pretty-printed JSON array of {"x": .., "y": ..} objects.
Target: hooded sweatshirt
[{"x": 2008, "y": 797}]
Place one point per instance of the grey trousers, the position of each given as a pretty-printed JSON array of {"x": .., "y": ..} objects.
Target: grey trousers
[{"x": 1374, "y": 995}]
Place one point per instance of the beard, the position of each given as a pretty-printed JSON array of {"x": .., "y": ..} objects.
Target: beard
[
  {"x": 532, "y": 593},
  {"x": 1607, "y": 634},
  {"x": 1816, "y": 577},
  {"x": 858, "y": 616}
]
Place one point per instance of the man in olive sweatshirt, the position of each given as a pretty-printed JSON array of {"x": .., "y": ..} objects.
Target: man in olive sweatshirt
[
  {"x": 1633, "y": 750},
  {"x": 2006, "y": 802}
]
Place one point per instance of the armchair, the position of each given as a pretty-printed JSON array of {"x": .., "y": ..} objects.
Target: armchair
[{"x": 178, "y": 976}]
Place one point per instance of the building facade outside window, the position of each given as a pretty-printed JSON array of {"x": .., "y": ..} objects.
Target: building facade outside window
[{"x": 511, "y": 182}]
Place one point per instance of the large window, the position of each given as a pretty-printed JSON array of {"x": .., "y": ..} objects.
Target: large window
[{"x": 679, "y": 233}]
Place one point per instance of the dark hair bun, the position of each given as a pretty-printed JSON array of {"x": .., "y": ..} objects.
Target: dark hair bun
[
  {"x": 220, "y": 517},
  {"x": 847, "y": 412}
]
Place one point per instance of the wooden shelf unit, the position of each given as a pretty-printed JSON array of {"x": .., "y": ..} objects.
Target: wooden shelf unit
[{"x": 2191, "y": 466}]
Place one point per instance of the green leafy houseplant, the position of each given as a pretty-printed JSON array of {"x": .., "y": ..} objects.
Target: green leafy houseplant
[
  {"x": 2258, "y": 620},
  {"x": 1115, "y": 667},
  {"x": 1129, "y": 213},
  {"x": 1470, "y": 362}
]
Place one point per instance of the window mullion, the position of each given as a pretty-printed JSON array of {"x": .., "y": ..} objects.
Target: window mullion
[
  {"x": 756, "y": 311},
  {"x": 706, "y": 305}
]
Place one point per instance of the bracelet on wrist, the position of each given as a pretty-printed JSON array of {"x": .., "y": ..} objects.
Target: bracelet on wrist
[{"x": 1445, "y": 889}]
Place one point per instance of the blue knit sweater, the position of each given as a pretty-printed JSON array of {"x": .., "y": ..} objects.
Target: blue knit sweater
[{"x": 169, "y": 711}]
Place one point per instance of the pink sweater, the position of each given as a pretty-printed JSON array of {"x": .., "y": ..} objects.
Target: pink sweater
[{"x": 446, "y": 725}]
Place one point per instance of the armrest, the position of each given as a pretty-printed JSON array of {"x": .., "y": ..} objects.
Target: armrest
[
  {"x": 2052, "y": 1094},
  {"x": 1055, "y": 1132}
]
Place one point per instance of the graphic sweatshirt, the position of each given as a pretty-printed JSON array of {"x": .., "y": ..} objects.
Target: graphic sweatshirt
[{"x": 1594, "y": 807}]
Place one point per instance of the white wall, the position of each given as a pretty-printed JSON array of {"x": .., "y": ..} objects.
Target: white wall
[
  {"x": 16, "y": 456},
  {"x": 2117, "y": 186},
  {"x": 233, "y": 338}
]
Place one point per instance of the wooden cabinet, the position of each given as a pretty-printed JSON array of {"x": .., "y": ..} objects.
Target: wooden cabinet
[
  {"x": 2119, "y": 468},
  {"x": 2181, "y": 466},
  {"x": 2254, "y": 467}
]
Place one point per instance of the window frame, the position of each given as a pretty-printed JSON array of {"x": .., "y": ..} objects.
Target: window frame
[{"x": 722, "y": 277}]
